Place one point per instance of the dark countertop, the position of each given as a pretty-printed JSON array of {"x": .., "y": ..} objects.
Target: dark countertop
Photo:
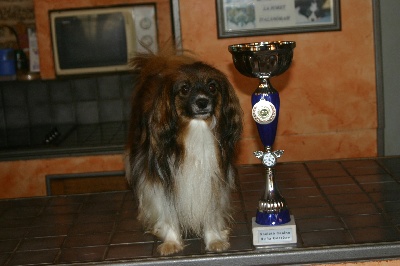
[
  {"x": 72, "y": 140},
  {"x": 345, "y": 210}
]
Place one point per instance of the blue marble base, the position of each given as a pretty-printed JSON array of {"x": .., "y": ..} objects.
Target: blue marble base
[{"x": 264, "y": 218}]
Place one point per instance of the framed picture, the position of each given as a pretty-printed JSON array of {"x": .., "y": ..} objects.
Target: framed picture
[{"x": 267, "y": 17}]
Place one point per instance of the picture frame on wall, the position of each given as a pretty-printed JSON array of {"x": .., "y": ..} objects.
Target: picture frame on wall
[{"x": 237, "y": 18}]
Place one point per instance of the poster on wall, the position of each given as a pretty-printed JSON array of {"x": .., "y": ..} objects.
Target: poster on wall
[{"x": 267, "y": 17}]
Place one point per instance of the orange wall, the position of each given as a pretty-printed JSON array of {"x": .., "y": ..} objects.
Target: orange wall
[
  {"x": 27, "y": 178},
  {"x": 328, "y": 95}
]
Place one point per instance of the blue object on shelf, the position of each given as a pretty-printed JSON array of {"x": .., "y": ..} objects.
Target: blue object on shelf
[{"x": 7, "y": 62}]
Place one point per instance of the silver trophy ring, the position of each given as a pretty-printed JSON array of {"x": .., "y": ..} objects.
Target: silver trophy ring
[{"x": 264, "y": 112}]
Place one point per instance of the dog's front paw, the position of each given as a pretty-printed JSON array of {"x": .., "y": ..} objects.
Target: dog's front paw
[
  {"x": 218, "y": 246},
  {"x": 169, "y": 247}
]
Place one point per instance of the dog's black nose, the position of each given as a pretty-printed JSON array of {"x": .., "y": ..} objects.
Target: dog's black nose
[{"x": 202, "y": 103}]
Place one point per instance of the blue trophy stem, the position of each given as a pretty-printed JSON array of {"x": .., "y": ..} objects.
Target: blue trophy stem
[
  {"x": 272, "y": 209},
  {"x": 265, "y": 91}
]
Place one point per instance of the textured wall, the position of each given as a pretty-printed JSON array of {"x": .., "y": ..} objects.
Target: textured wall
[
  {"x": 27, "y": 178},
  {"x": 328, "y": 96}
]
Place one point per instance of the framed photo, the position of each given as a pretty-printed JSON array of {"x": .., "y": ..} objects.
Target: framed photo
[{"x": 267, "y": 17}]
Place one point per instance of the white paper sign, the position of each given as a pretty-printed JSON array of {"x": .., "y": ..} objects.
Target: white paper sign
[{"x": 275, "y": 236}]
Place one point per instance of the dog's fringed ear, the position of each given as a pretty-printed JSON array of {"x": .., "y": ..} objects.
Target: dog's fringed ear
[
  {"x": 162, "y": 129},
  {"x": 230, "y": 120},
  {"x": 158, "y": 118}
]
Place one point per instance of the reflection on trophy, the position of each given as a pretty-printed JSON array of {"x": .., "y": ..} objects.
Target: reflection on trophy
[{"x": 273, "y": 223}]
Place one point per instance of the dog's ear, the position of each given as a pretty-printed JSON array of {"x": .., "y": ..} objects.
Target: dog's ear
[
  {"x": 154, "y": 95},
  {"x": 162, "y": 128},
  {"x": 153, "y": 119},
  {"x": 230, "y": 120},
  {"x": 162, "y": 115},
  {"x": 231, "y": 112}
]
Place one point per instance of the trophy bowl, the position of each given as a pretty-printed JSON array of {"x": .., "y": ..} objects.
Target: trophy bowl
[{"x": 262, "y": 59}]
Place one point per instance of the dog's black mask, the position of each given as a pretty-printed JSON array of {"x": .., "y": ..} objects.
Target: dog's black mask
[{"x": 196, "y": 92}]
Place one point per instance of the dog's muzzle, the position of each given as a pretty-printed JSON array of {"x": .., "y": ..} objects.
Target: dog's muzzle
[
  {"x": 202, "y": 103},
  {"x": 202, "y": 107}
]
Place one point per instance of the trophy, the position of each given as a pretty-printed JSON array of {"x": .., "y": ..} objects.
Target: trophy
[{"x": 273, "y": 224}]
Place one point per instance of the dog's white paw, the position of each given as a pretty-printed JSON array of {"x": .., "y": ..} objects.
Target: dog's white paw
[
  {"x": 218, "y": 246},
  {"x": 169, "y": 247}
]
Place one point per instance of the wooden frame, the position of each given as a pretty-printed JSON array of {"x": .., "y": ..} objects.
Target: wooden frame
[{"x": 238, "y": 18}]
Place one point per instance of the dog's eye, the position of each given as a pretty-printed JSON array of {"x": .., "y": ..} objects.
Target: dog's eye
[
  {"x": 184, "y": 89},
  {"x": 212, "y": 87}
]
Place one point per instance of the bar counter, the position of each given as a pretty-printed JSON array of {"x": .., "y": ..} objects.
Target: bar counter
[{"x": 345, "y": 210}]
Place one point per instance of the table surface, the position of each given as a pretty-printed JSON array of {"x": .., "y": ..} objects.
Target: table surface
[{"x": 344, "y": 210}]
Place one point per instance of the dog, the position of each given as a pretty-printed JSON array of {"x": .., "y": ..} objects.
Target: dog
[
  {"x": 309, "y": 10},
  {"x": 186, "y": 120}
]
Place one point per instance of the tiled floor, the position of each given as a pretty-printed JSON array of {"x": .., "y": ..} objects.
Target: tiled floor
[{"x": 335, "y": 203}]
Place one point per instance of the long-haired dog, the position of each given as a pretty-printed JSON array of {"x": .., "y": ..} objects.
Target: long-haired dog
[{"x": 185, "y": 122}]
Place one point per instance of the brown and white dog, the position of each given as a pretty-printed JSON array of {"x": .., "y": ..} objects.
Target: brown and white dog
[{"x": 185, "y": 122}]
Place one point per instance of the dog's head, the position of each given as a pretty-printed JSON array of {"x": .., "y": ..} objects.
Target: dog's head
[
  {"x": 176, "y": 89},
  {"x": 171, "y": 91},
  {"x": 197, "y": 91}
]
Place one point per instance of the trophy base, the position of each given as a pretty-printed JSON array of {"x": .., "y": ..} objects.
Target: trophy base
[{"x": 272, "y": 235}]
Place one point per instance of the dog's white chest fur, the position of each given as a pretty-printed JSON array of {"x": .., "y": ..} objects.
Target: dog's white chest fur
[
  {"x": 196, "y": 177},
  {"x": 200, "y": 146}
]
